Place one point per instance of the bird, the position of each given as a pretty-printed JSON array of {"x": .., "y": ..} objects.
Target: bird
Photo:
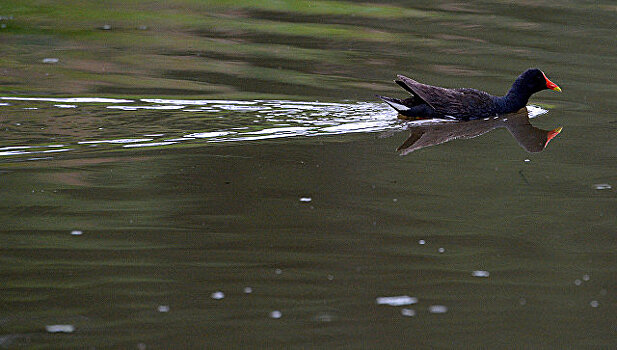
[{"x": 427, "y": 101}]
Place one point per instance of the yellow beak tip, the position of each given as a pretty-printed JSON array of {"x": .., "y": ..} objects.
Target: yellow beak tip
[{"x": 557, "y": 88}]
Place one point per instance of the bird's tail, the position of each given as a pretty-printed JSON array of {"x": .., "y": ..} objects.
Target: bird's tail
[{"x": 395, "y": 103}]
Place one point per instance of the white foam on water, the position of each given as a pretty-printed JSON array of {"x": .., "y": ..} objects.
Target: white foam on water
[{"x": 397, "y": 300}]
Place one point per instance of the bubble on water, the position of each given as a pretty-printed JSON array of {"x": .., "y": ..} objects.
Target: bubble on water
[
  {"x": 76, "y": 233},
  {"x": 397, "y": 300},
  {"x": 441, "y": 250},
  {"x": 480, "y": 273},
  {"x": 578, "y": 282},
  {"x": 217, "y": 295},
  {"x": 421, "y": 242},
  {"x": 305, "y": 199},
  {"x": 163, "y": 308},
  {"x": 50, "y": 60},
  {"x": 438, "y": 309},
  {"x": 60, "y": 328},
  {"x": 276, "y": 314},
  {"x": 602, "y": 187},
  {"x": 594, "y": 303},
  {"x": 248, "y": 290},
  {"x": 408, "y": 312}
]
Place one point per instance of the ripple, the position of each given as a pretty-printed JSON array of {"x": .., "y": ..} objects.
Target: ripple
[{"x": 225, "y": 121}]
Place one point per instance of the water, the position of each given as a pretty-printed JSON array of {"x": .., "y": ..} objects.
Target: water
[{"x": 215, "y": 175}]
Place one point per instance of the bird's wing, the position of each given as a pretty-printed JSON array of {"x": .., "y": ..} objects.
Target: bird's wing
[{"x": 459, "y": 103}]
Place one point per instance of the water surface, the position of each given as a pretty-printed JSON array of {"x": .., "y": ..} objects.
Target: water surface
[{"x": 208, "y": 174}]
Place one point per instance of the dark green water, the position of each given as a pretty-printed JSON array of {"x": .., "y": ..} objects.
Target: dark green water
[{"x": 183, "y": 149}]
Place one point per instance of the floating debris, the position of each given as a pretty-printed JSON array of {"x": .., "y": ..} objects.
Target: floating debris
[
  {"x": 438, "y": 309},
  {"x": 602, "y": 187},
  {"x": 50, "y": 60},
  {"x": 60, "y": 328},
  {"x": 397, "y": 300},
  {"x": 480, "y": 273},
  {"x": 276, "y": 314},
  {"x": 76, "y": 233},
  {"x": 408, "y": 312},
  {"x": 163, "y": 308},
  {"x": 217, "y": 295}
]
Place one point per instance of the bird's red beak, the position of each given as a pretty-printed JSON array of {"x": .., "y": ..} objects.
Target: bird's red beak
[
  {"x": 551, "y": 85},
  {"x": 551, "y": 134}
]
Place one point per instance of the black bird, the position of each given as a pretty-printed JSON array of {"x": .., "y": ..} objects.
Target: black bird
[{"x": 428, "y": 101}]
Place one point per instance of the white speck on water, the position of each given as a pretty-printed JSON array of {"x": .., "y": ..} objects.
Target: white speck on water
[
  {"x": 248, "y": 290},
  {"x": 602, "y": 187},
  {"x": 65, "y": 106},
  {"x": 60, "y": 328},
  {"x": 594, "y": 303},
  {"x": 480, "y": 273},
  {"x": 397, "y": 300},
  {"x": 408, "y": 312},
  {"x": 527, "y": 160},
  {"x": 578, "y": 282},
  {"x": 438, "y": 309},
  {"x": 218, "y": 295},
  {"x": 50, "y": 60},
  {"x": 330, "y": 277},
  {"x": 305, "y": 199},
  {"x": 395, "y": 200},
  {"x": 5, "y": 104},
  {"x": 76, "y": 233},
  {"x": 276, "y": 314},
  {"x": 278, "y": 271},
  {"x": 163, "y": 308},
  {"x": 585, "y": 277},
  {"x": 106, "y": 27},
  {"x": 324, "y": 317},
  {"x": 421, "y": 242},
  {"x": 441, "y": 250}
]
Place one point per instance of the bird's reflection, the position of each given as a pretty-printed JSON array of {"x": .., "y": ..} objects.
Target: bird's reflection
[{"x": 430, "y": 133}]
